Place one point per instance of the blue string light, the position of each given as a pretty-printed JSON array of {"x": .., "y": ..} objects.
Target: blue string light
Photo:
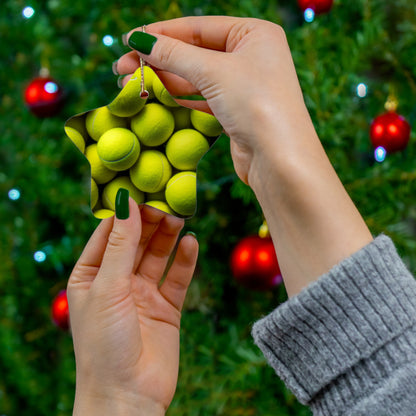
[
  {"x": 39, "y": 256},
  {"x": 309, "y": 15},
  {"x": 51, "y": 87},
  {"x": 380, "y": 154},
  {"x": 28, "y": 12},
  {"x": 14, "y": 194},
  {"x": 108, "y": 40}
]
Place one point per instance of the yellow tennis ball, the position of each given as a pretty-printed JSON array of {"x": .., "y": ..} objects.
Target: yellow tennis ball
[
  {"x": 118, "y": 149},
  {"x": 185, "y": 148},
  {"x": 75, "y": 129},
  {"x": 94, "y": 193},
  {"x": 182, "y": 116},
  {"x": 181, "y": 193},
  {"x": 151, "y": 171},
  {"x": 206, "y": 123},
  {"x": 103, "y": 213},
  {"x": 153, "y": 125},
  {"x": 100, "y": 120},
  {"x": 100, "y": 173},
  {"x": 110, "y": 191},
  {"x": 161, "y": 205},
  {"x": 162, "y": 94},
  {"x": 128, "y": 102}
]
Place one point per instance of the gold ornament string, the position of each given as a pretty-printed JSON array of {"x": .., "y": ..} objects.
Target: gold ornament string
[{"x": 144, "y": 94}]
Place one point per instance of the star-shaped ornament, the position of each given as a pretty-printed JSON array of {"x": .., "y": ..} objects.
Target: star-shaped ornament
[{"x": 145, "y": 142}]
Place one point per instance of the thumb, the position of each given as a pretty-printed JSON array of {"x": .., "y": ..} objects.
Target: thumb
[
  {"x": 123, "y": 240},
  {"x": 173, "y": 55}
]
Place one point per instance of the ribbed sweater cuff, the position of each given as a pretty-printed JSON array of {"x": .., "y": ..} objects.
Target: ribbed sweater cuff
[{"x": 343, "y": 330}]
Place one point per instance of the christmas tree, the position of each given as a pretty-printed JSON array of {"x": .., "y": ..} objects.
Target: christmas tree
[{"x": 350, "y": 60}]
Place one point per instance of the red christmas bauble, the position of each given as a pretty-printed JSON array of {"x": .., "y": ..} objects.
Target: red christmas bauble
[
  {"x": 254, "y": 263},
  {"x": 44, "y": 97},
  {"x": 60, "y": 311},
  {"x": 390, "y": 131},
  {"x": 318, "y": 6}
]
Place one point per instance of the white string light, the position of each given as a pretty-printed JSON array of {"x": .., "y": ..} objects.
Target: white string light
[{"x": 362, "y": 90}]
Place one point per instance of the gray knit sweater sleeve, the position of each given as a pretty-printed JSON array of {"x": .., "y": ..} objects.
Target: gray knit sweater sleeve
[{"x": 346, "y": 345}]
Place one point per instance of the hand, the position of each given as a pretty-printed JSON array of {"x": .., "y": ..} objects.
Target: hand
[
  {"x": 125, "y": 320},
  {"x": 244, "y": 69}
]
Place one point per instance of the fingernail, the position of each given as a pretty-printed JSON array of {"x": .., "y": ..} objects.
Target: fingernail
[
  {"x": 190, "y": 97},
  {"x": 191, "y": 233},
  {"x": 142, "y": 42},
  {"x": 114, "y": 67},
  {"x": 120, "y": 81},
  {"x": 122, "y": 204}
]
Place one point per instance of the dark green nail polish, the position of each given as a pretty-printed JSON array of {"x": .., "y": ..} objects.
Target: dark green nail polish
[
  {"x": 122, "y": 204},
  {"x": 191, "y": 233},
  {"x": 190, "y": 97},
  {"x": 142, "y": 42}
]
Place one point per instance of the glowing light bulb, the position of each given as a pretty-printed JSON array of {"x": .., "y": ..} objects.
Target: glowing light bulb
[
  {"x": 14, "y": 194},
  {"x": 309, "y": 15},
  {"x": 28, "y": 12},
  {"x": 51, "y": 87},
  {"x": 108, "y": 40},
  {"x": 362, "y": 90},
  {"x": 40, "y": 256},
  {"x": 380, "y": 154}
]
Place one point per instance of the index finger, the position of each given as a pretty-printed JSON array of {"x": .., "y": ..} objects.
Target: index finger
[{"x": 209, "y": 32}]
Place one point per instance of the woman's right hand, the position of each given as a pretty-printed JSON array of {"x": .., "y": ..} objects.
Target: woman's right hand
[
  {"x": 244, "y": 70},
  {"x": 242, "y": 67}
]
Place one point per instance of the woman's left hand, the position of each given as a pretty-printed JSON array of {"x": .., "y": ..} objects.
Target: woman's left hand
[{"x": 125, "y": 313}]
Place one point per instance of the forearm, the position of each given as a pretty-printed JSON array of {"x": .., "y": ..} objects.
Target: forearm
[{"x": 312, "y": 220}]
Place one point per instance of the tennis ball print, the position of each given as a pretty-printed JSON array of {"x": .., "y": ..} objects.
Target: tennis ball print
[
  {"x": 110, "y": 191},
  {"x": 153, "y": 125},
  {"x": 181, "y": 193},
  {"x": 94, "y": 194},
  {"x": 161, "y": 205},
  {"x": 206, "y": 123},
  {"x": 100, "y": 120},
  {"x": 185, "y": 149},
  {"x": 118, "y": 149},
  {"x": 150, "y": 146},
  {"x": 127, "y": 104},
  {"x": 162, "y": 93},
  {"x": 182, "y": 116},
  {"x": 151, "y": 172},
  {"x": 75, "y": 129},
  {"x": 99, "y": 172}
]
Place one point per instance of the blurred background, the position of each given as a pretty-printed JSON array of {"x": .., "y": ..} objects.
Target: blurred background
[{"x": 356, "y": 59}]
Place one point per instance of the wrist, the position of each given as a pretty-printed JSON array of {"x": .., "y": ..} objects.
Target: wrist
[
  {"x": 312, "y": 220},
  {"x": 114, "y": 404},
  {"x": 284, "y": 148}
]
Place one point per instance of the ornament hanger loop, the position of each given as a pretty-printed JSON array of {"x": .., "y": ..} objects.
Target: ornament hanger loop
[
  {"x": 143, "y": 92},
  {"x": 392, "y": 103}
]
